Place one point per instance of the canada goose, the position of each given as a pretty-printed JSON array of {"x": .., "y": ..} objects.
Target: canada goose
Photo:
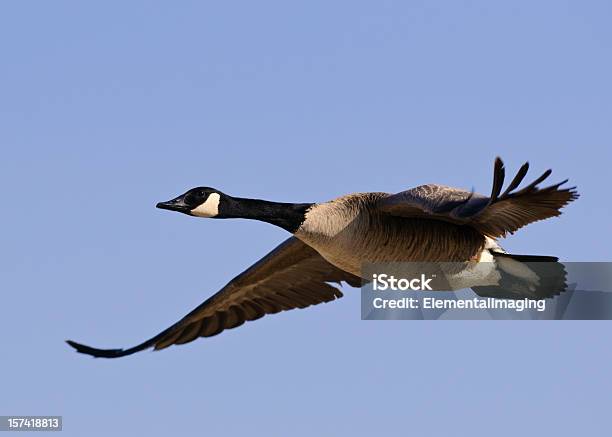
[{"x": 331, "y": 240}]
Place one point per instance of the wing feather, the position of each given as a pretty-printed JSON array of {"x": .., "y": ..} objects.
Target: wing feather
[
  {"x": 496, "y": 215},
  {"x": 291, "y": 276}
]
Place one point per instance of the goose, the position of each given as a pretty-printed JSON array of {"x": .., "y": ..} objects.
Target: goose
[{"x": 330, "y": 241}]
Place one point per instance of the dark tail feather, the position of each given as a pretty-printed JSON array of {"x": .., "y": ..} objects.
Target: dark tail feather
[{"x": 526, "y": 276}]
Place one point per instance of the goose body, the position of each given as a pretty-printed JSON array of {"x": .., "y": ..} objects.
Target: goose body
[
  {"x": 332, "y": 240},
  {"x": 352, "y": 229}
]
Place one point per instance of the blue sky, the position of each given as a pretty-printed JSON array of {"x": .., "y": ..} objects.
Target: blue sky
[{"x": 107, "y": 109}]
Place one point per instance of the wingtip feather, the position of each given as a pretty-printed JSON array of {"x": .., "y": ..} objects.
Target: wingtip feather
[
  {"x": 499, "y": 174},
  {"x": 520, "y": 175},
  {"x": 94, "y": 352}
]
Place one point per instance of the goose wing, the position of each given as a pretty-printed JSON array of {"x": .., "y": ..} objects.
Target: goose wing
[
  {"x": 292, "y": 276},
  {"x": 495, "y": 215}
]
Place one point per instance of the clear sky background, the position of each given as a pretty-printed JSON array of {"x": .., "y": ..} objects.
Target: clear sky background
[{"x": 108, "y": 108}]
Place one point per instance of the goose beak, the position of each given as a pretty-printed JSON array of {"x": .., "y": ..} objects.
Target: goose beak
[{"x": 177, "y": 205}]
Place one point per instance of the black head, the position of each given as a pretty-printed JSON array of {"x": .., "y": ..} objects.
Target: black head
[
  {"x": 199, "y": 202},
  {"x": 209, "y": 202}
]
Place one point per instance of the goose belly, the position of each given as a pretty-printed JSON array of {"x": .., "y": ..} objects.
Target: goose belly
[{"x": 390, "y": 239}]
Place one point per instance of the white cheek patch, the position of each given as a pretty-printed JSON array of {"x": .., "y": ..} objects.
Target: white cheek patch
[{"x": 210, "y": 208}]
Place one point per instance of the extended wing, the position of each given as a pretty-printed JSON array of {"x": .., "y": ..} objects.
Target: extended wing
[
  {"x": 292, "y": 276},
  {"x": 495, "y": 215}
]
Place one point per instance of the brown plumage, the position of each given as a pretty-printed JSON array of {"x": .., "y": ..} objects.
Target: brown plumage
[
  {"x": 291, "y": 276},
  {"x": 494, "y": 216}
]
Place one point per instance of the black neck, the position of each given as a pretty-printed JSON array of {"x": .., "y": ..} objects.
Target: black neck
[{"x": 288, "y": 216}]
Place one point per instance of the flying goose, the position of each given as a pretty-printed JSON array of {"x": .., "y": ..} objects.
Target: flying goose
[{"x": 331, "y": 240}]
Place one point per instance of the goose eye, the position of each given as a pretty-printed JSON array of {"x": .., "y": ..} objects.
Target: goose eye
[{"x": 189, "y": 199}]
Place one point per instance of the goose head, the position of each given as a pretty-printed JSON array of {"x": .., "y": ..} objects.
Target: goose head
[
  {"x": 210, "y": 202},
  {"x": 198, "y": 202}
]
